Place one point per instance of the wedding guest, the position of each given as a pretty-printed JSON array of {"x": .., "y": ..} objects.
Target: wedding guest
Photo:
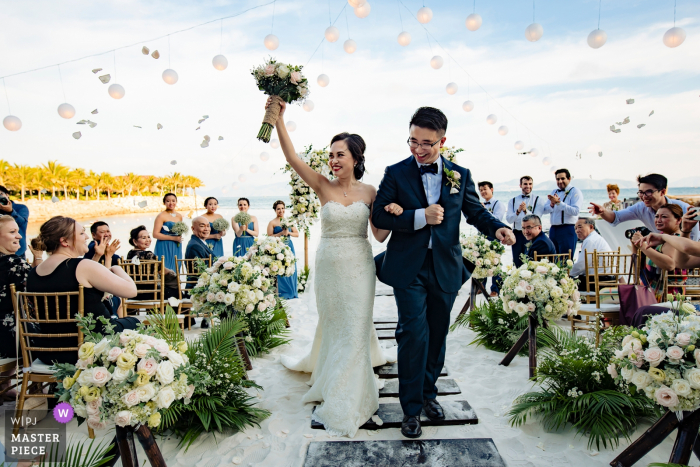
[
  {"x": 564, "y": 206},
  {"x": 537, "y": 241},
  {"x": 216, "y": 244},
  {"x": 652, "y": 192},
  {"x": 686, "y": 251},
  {"x": 245, "y": 234},
  {"x": 287, "y": 286},
  {"x": 519, "y": 207},
  {"x": 168, "y": 244},
  {"x": 197, "y": 247},
  {"x": 100, "y": 249},
  {"x": 614, "y": 204},
  {"x": 65, "y": 240},
  {"x": 592, "y": 241},
  {"x": 19, "y": 212},
  {"x": 495, "y": 207},
  {"x": 140, "y": 239}
]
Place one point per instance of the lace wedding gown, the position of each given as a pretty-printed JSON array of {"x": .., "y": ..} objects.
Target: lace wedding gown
[{"x": 345, "y": 346}]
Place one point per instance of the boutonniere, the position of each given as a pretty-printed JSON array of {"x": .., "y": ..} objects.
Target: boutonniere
[
  {"x": 529, "y": 208},
  {"x": 528, "y": 244},
  {"x": 211, "y": 247},
  {"x": 453, "y": 178}
]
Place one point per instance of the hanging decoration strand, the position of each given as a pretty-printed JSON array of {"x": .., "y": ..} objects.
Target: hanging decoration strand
[
  {"x": 114, "y": 57},
  {"x": 600, "y": 4},
  {"x": 329, "y": 13},
  {"x": 60, "y": 77},
  {"x": 533, "y": 11},
  {"x": 324, "y": 38},
  {"x": 221, "y": 37},
  {"x": 474, "y": 7},
  {"x": 168, "y": 50},
  {"x": 9, "y": 111},
  {"x": 347, "y": 24},
  {"x": 400, "y": 18},
  {"x": 674, "y": 13},
  {"x": 272, "y": 28}
]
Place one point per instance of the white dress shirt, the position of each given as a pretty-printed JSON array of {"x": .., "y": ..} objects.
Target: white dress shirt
[
  {"x": 593, "y": 242},
  {"x": 567, "y": 211},
  {"x": 534, "y": 205},
  {"x": 642, "y": 212},
  {"x": 496, "y": 208},
  {"x": 432, "y": 185}
]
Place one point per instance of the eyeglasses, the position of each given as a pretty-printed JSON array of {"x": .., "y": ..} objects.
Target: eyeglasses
[
  {"x": 531, "y": 227},
  {"x": 415, "y": 144},
  {"x": 646, "y": 194}
]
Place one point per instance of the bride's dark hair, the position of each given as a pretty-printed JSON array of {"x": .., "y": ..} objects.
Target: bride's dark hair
[{"x": 356, "y": 146}]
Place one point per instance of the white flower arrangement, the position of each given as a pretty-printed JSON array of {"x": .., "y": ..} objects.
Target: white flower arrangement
[
  {"x": 450, "y": 153},
  {"x": 286, "y": 223},
  {"x": 540, "y": 287},
  {"x": 273, "y": 256},
  {"x": 221, "y": 225},
  {"x": 483, "y": 253}
]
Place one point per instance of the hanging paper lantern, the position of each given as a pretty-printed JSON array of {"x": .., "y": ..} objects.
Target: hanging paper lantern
[
  {"x": 308, "y": 106},
  {"x": 473, "y": 22},
  {"x": 534, "y": 152},
  {"x": 274, "y": 143},
  {"x": 503, "y": 130},
  {"x": 436, "y": 62},
  {"x": 332, "y": 33},
  {"x": 451, "y": 88},
  {"x": 674, "y": 37},
  {"x": 350, "y": 46},
  {"x": 404, "y": 39},
  {"x": 546, "y": 161},
  {"x": 534, "y": 32},
  {"x": 271, "y": 42},
  {"x": 116, "y": 91},
  {"x": 323, "y": 80},
  {"x": 170, "y": 76},
  {"x": 491, "y": 119},
  {"x": 553, "y": 169},
  {"x": 597, "y": 38},
  {"x": 12, "y": 123},
  {"x": 357, "y": 3},
  {"x": 291, "y": 126},
  {"x": 253, "y": 168},
  {"x": 424, "y": 15},
  {"x": 264, "y": 156},
  {"x": 66, "y": 111},
  {"x": 468, "y": 106},
  {"x": 519, "y": 145},
  {"x": 242, "y": 178},
  {"x": 363, "y": 11},
  {"x": 220, "y": 62},
  {"x": 234, "y": 185}
]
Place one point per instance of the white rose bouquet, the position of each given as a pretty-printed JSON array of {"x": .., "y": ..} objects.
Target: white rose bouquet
[
  {"x": 285, "y": 83},
  {"x": 273, "y": 256},
  {"x": 287, "y": 223},
  {"x": 483, "y": 253},
  {"x": 450, "y": 153},
  {"x": 661, "y": 359},
  {"x": 178, "y": 228},
  {"x": 540, "y": 287}
]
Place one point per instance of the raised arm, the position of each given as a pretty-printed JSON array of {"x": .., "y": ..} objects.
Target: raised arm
[{"x": 113, "y": 280}]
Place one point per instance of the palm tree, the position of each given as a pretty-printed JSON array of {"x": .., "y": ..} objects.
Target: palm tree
[
  {"x": 77, "y": 178},
  {"x": 21, "y": 178},
  {"x": 54, "y": 173},
  {"x": 39, "y": 182},
  {"x": 4, "y": 167},
  {"x": 154, "y": 183},
  {"x": 103, "y": 181},
  {"x": 121, "y": 184}
]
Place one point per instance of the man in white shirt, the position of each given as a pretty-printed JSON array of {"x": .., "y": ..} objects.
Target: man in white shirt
[
  {"x": 519, "y": 207},
  {"x": 495, "y": 207},
  {"x": 564, "y": 206},
  {"x": 592, "y": 241}
]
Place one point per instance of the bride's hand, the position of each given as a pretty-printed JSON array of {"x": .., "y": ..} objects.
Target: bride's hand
[
  {"x": 283, "y": 107},
  {"x": 394, "y": 209}
]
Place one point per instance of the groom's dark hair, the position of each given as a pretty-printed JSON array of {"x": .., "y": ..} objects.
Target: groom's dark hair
[{"x": 430, "y": 118}]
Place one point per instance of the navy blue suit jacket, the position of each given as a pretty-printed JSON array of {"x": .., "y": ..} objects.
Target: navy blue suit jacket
[
  {"x": 541, "y": 245},
  {"x": 196, "y": 249},
  {"x": 407, "y": 248}
]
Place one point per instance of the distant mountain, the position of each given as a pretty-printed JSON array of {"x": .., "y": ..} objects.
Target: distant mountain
[
  {"x": 581, "y": 183},
  {"x": 686, "y": 182}
]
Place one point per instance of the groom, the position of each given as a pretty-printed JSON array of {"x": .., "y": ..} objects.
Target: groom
[{"x": 423, "y": 260}]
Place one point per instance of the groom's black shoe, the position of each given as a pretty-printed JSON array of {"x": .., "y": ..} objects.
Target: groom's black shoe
[
  {"x": 433, "y": 409},
  {"x": 410, "y": 427}
]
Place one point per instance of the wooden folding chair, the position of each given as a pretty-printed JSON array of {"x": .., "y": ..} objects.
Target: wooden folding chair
[
  {"x": 589, "y": 294},
  {"x": 688, "y": 283},
  {"x": 187, "y": 274},
  {"x": 559, "y": 258},
  {"x": 149, "y": 277},
  {"x": 43, "y": 309},
  {"x": 6, "y": 365}
]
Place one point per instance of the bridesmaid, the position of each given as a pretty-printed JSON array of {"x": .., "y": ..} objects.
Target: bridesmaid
[
  {"x": 168, "y": 244},
  {"x": 244, "y": 233},
  {"x": 214, "y": 239},
  {"x": 287, "y": 286}
]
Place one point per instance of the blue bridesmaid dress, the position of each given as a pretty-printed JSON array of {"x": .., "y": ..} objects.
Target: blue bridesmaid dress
[
  {"x": 216, "y": 246},
  {"x": 287, "y": 286},
  {"x": 242, "y": 243},
  {"x": 167, "y": 248}
]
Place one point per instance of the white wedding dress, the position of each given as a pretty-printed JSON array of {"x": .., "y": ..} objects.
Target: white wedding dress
[{"x": 345, "y": 346}]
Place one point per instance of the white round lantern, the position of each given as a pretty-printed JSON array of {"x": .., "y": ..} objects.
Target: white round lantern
[
  {"x": 404, "y": 39},
  {"x": 553, "y": 169},
  {"x": 424, "y": 15},
  {"x": 116, "y": 91},
  {"x": 468, "y": 106},
  {"x": 350, "y": 46},
  {"x": 436, "y": 62},
  {"x": 274, "y": 143},
  {"x": 597, "y": 38},
  {"x": 451, "y": 88},
  {"x": 271, "y": 42},
  {"x": 234, "y": 186},
  {"x": 308, "y": 106},
  {"x": 242, "y": 178},
  {"x": 253, "y": 168},
  {"x": 491, "y": 119},
  {"x": 66, "y": 111},
  {"x": 356, "y": 3},
  {"x": 291, "y": 126},
  {"x": 503, "y": 130},
  {"x": 323, "y": 80},
  {"x": 534, "y": 152},
  {"x": 220, "y": 62},
  {"x": 12, "y": 123},
  {"x": 519, "y": 145},
  {"x": 363, "y": 11},
  {"x": 264, "y": 156},
  {"x": 332, "y": 34},
  {"x": 534, "y": 32},
  {"x": 674, "y": 37},
  {"x": 473, "y": 22},
  {"x": 547, "y": 161},
  {"x": 170, "y": 76}
]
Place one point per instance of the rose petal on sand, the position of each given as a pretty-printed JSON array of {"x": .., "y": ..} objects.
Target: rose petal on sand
[{"x": 308, "y": 436}]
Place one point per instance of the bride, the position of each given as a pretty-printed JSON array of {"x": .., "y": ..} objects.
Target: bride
[{"x": 345, "y": 346}]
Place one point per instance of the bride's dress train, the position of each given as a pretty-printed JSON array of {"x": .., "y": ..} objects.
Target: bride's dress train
[{"x": 345, "y": 346}]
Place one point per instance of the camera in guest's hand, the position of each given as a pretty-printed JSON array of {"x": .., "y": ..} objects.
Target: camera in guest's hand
[
  {"x": 4, "y": 201},
  {"x": 642, "y": 230}
]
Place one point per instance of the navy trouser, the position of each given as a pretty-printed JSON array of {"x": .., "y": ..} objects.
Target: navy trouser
[
  {"x": 424, "y": 320},
  {"x": 564, "y": 238},
  {"x": 519, "y": 247}
]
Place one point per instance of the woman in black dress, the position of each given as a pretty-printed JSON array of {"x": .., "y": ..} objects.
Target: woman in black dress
[{"x": 140, "y": 239}]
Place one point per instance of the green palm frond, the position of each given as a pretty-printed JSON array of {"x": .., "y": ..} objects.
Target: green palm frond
[
  {"x": 167, "y": 326},
  {"x": 219, "y": 339},
  {"x": 267, "y": 330},
  {"x": 79, "y": 454}
]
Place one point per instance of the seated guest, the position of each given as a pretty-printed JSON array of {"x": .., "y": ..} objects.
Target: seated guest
[
  {"x": 538, "y": 242},
  {"x": 140, "y": 239},
  {"x": 100, "y": 250},
  {"x": 19, "y": 213},
  {"x": 197, "y": 247},
  {"x": 686, "y": 251},
  {"x": 65, "y": 240},
  {"x": 592, "y": 241},
  {"x": 614, "y": 204}
]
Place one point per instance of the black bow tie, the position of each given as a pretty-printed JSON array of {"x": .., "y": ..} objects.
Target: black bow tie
[
  {"x": 526, "y": 196},
  {"x": 432, "y": 168},
  {"x": 487, "y": 202}
]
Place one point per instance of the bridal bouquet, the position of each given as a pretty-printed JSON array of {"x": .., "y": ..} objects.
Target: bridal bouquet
[
  {"x": 540, "y": 287},
  {"x": 284, "y": 83},
  {"x": 450, "y": 153},
  {"x": 286, "y": 223},
  {"x": 306, "y": 207},
  {"x": 273, "y": 256},
  {"x": 483, "y": 253},
  {"x": 221, "y": 225},
  {"x": 178, "y": 228},
  {"x": 661, "y": 359},
  {"x": 242, "y": 218}
]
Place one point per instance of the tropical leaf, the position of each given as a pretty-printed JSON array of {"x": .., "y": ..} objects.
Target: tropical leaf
[
  {"x": 167, "y": 326},
  {"x": 267, "y": 330},
  {"x": 79, "y": 454}
]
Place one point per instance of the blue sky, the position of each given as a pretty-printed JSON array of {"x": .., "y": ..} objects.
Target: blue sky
[{"x": 566, "y": 93}]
